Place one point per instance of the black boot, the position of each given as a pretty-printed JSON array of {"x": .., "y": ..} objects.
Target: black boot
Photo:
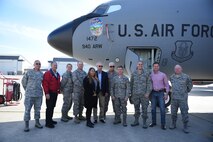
[
  {"x": 37, "y": 124},
  {"x": 89, "y": 124},
  {"x": 26, "y": 129}
]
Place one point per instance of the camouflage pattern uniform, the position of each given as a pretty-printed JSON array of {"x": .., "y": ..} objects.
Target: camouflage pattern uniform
[
  {"x": 78, "y": 90},
  {"x": 111, "y": 75},
  {"x": 140, "y": 85},
  {"x": 67, "y": 90},
  {"x": 120, "y": 90},
  {"x": 181, "y": 86},
  {"x": 31, "y": 83}
]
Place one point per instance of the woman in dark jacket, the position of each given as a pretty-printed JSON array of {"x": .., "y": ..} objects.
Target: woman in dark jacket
[{"x": 91, "y": 89}]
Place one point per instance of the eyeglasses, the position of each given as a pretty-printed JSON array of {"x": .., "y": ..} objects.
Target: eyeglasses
[
  {"x": 38, "y": 63},
  {"x": 111, "y": 66},
  {"x": 100, "y": 66}
]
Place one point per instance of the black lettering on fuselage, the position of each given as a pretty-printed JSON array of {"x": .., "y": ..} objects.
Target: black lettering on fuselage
[
  {"x": 169, "y": 29},
  {"x": 184, "y": 28},
  {"x": 138, "y": 30},
  {"x": 165, "y": 30},
  {"x": 124, "y": 33},
  {"x": 155, "y": 31},
  {"x": 211, "y": 31},
  {"x": 195, "y": 30},
  {"x": 204, "y": 30}
]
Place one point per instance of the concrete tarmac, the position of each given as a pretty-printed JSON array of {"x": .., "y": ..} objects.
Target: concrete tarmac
[{"x": 200, "y": 116}]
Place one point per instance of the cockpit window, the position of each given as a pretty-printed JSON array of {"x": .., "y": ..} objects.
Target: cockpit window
[
  {"x": 113, "y": 8},
  {"x": 106, "y": 9},
  {"x": 101, "y": 9}
]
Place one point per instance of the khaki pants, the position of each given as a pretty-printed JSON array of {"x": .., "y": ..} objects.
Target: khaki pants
[{"x": 101, "y": 99}]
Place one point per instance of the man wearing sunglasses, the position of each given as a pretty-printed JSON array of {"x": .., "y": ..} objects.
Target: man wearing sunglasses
[
  {"x": 31, "y": 82},
  {"x": 111, "y": 74},
  {"x": 104, "y": 90}
]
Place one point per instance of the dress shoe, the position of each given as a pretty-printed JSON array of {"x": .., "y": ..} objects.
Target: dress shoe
[
  {"x": 95, "y": 121},
  {"x": 90, "y": 125},
  {"x": 152, "y": 125},
  {"x": 103, "y": 121},
  {"x": 49, "y": 126},
  {"x": 54, "y": 122},
  {"x": 163, "y": 127}
]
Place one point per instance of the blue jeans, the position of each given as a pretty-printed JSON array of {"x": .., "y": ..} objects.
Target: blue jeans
[{"x": 158, "y": 97}]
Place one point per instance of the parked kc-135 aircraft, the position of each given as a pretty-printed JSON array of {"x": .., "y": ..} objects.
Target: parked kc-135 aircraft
[{"x": 125, "y": 31}]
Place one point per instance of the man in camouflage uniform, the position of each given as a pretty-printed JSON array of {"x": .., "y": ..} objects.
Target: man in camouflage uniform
[
  {"x": 31, "y": 82},
  {"x": 181, "y": 86},
  {"x": 67, "y": 90},
  {"x": 140, "y": 84},
  {"x": 120, "y": 94},
  {"x": 111, "y": 74},
  {"x": 78, "y": 76}
]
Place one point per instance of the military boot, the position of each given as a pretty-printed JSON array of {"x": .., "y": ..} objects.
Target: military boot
[
  {"x": 81, "y": 117},
  {"x": 26, "y": 129},
  {"x": 76, "y": 120},
  {"x": 172, "y": 125},
  {"x": 135, "y": 123},
  {"x": 145, "y": 124},
  {"x": 37, "y": 124},
  {"x": 124, "y": 121},
  {"x": 117, "y": 120},
  {"x": 69, "y": 118},
  {"x": 185, "y": 128},
  {"x": 64, "y": 117}
]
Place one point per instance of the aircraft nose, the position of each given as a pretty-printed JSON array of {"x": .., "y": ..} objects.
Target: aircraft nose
[{"x": 61, "y": 39}]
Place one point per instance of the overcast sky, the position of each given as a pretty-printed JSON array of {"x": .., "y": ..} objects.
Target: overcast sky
[{"x": 25, "y": 25}]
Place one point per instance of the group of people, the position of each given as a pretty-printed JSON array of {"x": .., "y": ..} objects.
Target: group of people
[{"x": 97, "y": 87}]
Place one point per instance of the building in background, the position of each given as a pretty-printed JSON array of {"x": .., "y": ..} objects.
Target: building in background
[
  {"x": 11, "y": 65},
  {"x": 62, "y": 62}
]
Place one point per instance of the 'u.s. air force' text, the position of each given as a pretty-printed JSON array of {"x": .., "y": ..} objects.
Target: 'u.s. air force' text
[{"x": 166, "y": 30}]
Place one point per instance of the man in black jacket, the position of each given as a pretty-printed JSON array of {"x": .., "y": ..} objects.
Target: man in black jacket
[{"x": 104, "y": 90}]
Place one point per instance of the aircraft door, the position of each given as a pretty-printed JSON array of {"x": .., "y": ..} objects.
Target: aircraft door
[
  {"x": 146, "y": 54},
  {"x": 130, "y": 61}
]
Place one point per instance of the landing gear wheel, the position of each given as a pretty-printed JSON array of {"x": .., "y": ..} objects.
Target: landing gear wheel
[{"x": 168, "y": 100}]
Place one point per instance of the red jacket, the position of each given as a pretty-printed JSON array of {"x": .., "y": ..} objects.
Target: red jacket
[{"x": 51, "y": 83}]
